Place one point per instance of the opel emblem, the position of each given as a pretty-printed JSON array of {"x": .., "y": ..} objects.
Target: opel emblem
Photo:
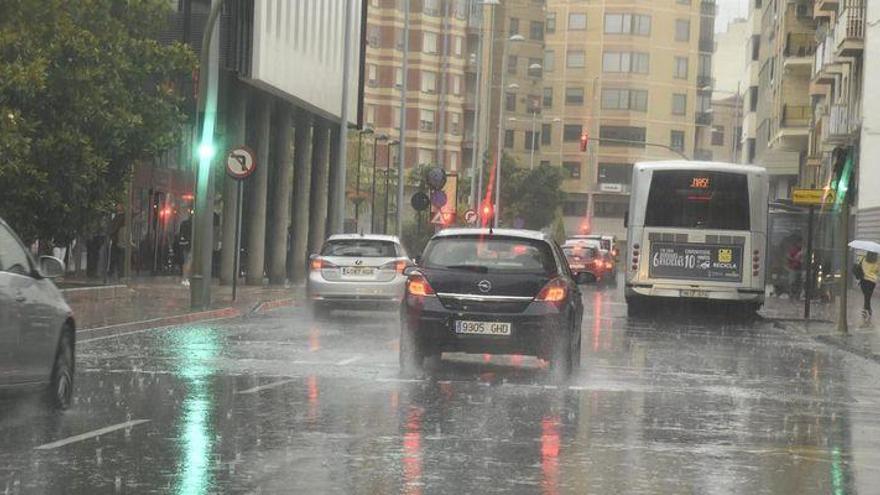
[{"x": 484, "y": 285}]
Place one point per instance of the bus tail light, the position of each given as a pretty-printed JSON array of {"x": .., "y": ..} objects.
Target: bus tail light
[
  {"x": 756, "y": 263},
  {"x": 417, "y": 285},
  {"x": 635, "y": 258}
]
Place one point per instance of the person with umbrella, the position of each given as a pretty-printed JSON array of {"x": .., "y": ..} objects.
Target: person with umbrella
[{"x": 867, "y": 270}]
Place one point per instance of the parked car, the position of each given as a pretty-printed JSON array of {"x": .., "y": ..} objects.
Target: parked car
[
  {"x": 356, "y": 271},
  {"x": 586, "y": 263},
  {"x": 37, "y": 330},
  {"x": 492, "y": 291}
]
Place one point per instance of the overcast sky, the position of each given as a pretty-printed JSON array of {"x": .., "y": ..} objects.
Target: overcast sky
[{"x": 728, "y": 10}]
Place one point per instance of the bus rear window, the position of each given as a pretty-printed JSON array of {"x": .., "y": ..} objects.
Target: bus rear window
[{"x": 698, "y": 200}]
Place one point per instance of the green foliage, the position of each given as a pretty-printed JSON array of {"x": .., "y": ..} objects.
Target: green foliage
[
  {"x": 533, "y": 195},
  {"x": 85, "y": 91},
  {"x": 416, "y": 235}
]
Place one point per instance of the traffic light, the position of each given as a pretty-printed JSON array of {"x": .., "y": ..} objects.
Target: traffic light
[
  {"x": 585, "y": 140},
  {"x": 842, "y": 175},
  {"x": 486, "y": 213}
]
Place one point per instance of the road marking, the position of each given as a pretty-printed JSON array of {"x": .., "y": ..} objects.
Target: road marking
[
  {"x": 90, "y": 434},
  {"x": 350, "y": 360},
  {"x": 165, "y": 327},
  {"x": 265, "y": 387},
  {"x": 400, "y": 380}
]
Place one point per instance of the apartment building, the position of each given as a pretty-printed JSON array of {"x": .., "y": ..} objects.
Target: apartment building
[
  {"x": 634, "y": 74},
  {"x": 778, "y": 103}
]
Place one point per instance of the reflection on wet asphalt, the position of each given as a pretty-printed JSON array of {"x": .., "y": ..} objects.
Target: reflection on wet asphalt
[{"x": 279, "y": 403}]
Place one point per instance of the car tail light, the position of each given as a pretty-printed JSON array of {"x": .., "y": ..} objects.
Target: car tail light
[
  {"x": 398, "y": 266},
  {"x": 319, "y": 264},
  {"x": 417, "y": 285},
  {"x": 554, "y": 292}
]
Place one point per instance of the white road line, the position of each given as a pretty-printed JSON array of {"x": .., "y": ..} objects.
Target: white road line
[
  {"x": 350, "y": 360},
  {"x": 91, "y": 434},
  {"x": 134, "y": 332},
  {"x": 265, "y": 387}
]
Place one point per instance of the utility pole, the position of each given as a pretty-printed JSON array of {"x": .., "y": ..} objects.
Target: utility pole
[
  {"x": 338, "y": 223},
  {"x": 476, "y": 156},
  {"x": 401, "y": 158}
]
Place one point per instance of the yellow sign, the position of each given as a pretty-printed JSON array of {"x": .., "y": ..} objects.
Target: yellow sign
[
  {"x": 811, "y": 196},
  {"x": 725, "y": 255}
]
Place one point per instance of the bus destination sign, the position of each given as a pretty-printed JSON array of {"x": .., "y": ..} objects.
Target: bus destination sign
[{"x": 689, "y": 261}]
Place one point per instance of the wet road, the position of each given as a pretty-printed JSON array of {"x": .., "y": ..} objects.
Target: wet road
[{"x": 277, "y": 403}]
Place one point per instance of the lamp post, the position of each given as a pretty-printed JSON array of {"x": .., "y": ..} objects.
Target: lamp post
[
  {"x": 357, "y": 182},
  {"x": 393, "y": 142},
  {"x": 376, "y": 139},
  {"x": 499, "y": 145},
  {"x": 477, "y": 155}
]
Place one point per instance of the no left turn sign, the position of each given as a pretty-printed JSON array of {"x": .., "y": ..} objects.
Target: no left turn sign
[{"x": 240, "y": 163}]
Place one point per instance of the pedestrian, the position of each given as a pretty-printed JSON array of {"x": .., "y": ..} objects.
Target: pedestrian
[
  {"x": 184, "y": 243},
  {"x": 867, "y": 271},
  {"x": 793, "y": 264}
]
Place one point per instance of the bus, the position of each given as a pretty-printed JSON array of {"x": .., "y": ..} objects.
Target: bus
[{"x": 698, "y": 231}]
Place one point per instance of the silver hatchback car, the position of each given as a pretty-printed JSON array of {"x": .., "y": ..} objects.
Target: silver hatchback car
[
  {"x": 37, "y": 333},
  {"x": 356, "y": 271}
]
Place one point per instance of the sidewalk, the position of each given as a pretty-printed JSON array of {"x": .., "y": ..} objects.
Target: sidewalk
[{"x": 162, "y": 301}]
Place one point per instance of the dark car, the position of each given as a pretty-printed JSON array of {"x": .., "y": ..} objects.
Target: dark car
[
  {"x": 483, "y": 291},
  {"x": 37, "y": 331},
  {"x": 586, "y": 263}
]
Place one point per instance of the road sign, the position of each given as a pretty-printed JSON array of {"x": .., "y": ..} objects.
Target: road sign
[
  {"x": 812, "y": 196},
  {"x": 438, "y": 198},
  {"x": 437, "y": 219},
  {"x": 470, "y": 217},
  {"x": 241, "y": 163},
  {"x": 420, "y": 201},
  {"x": 436, "y": 178}
]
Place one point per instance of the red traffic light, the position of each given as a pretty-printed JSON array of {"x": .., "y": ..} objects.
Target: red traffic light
[
  {"x": 487, "y": 211},
  {"x": 585, "y": 140}
]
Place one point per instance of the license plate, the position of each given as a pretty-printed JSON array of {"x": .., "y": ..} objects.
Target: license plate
[
  {"x": 357, "y": 271},
  {"x": 482, "y": 327},
  {"x": 694, "y": 293}
]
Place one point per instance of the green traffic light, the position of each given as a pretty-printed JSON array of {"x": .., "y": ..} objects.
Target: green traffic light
[{"x": 207, "y": 151}]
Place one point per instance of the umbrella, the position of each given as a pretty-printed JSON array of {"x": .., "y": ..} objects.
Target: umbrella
[{"x": 865, "y": 246}]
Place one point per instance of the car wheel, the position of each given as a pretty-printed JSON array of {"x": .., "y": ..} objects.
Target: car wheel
[
  {"x": 560, "y": 359},
  {"x": 411, "y": 355},
  {"x": 60, "y": 390}
]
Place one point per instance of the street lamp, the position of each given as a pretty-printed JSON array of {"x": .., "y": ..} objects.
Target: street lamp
[
  {"x": 357, "y": 183},
  {"x": 476, "y": 155},
  {"x": 501, "y": 93},
  {"x": 393, "y": 142},
  {"x": 376, "y": 139}
]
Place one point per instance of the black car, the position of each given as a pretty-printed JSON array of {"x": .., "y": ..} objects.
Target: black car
[{"x": 484, "y": 291}]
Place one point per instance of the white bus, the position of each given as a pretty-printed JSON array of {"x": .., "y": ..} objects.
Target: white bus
[{"x": 696, "y": 230}]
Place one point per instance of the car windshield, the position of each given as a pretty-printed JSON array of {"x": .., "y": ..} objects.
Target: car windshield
[
  {"x": 579, "y": 252},
  {"x": 490, "y": 255},
  {"x": 361, "y": 248}
]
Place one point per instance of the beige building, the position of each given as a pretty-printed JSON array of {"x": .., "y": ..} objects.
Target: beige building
[{"x": 628, "y": 73}]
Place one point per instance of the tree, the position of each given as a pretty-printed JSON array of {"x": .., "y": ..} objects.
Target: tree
[
  {"x": 532, "y": 195},
  {"x": 85, "y": 91}
]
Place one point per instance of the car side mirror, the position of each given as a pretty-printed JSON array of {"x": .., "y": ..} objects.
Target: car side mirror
[
  {"x": 626, "y": 219},
  {"x": 417, "y": 260},
  {"x": 51, "y": 267}
]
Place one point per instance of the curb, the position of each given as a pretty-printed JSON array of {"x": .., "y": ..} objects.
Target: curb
[
  {"x": 833, "y": 341},
  {"x": 271, "y": 305}
]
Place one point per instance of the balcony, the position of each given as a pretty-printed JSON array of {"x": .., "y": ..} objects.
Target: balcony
[
  {"x": 703, "y": 118},
  {"x": 705, "y": 82},
  {"x": 840, "y": 127},
  {"x": 707, "y": 45},
  {"x": 796, "y": 115},
  {"x": 825, "y": 7},
  {"x": 826, "y": 66},
  {"x": 800, "y": 45},
  {"x": 707, "y": 7},
  {"x": 850, "y": 29}
]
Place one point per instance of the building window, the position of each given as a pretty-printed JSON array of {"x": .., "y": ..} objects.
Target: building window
[
  {"x": 453, "y": 160},
  {"x": 615, "y": 173},
  {"x": 572, "y": 132},
  {"x": 618, "y": 135},
  {"x": 429, "y": 42},
  {"x": 704, "y": 103},
  {"x": 455, "y": 123},
  {"x": 753, "y": 98},
  {"x": 572, "y": 170},
  {"x": 508, "y": 138},
  {"x": 544, "y": 163},
  {"x": 426, "y": 156},
  {"x": 550, "y": 25},
  {"x": 717, "y": 135},
  {"x": 372, "y": 74},
  {"x": 679, "y": 104},
  {"x": 456, "y": 85},
  {"x": 532, "y": 140},
  {"x": 574, "y": 208},
  {"x": 634, "y": 62},
  {"x": 625, "y": 99},
  {"x": 683, "y": 2},
  {"x": 574, "y": 96},
  {"x": 628, "y": 24},
  {"x": 395, "y": 118},
  {"x": 610, "y": 209},
  {"x": 756, "y": 47},
  {"x": 548, "y": 98},
  {"x": 549, "y": 60},
  {"x": 575, "y": 59},
  {"x": 682, "y": 30},
  {"x": 458, "y": 45},
  {"x": 461, "y": 9},
  {"x": 511, "y": 64},
  {"x": 374, "y": 34},
  {"x": 431, "y": 7},
  {"x": 680, "y": 70},
  {"x": 577, "y": 22},
  {"x": 514, "y": 26},
  {"x": 535, "y": 67},
  {"x": 676, "y": 140},
  {"x": 546, "y": 134},
  {"x": 536, "y": 30},
  {"x": 704, "y": 67},
  {"x": 426, "y": 120},
  {"x": 429, "y": 81},
  {"x": 370, "y": 114},
  {"x": 510, "y": 102}
]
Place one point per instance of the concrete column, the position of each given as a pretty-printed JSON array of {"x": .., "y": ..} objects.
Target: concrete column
[
  {"x": 320, "y": 173},
  {"x": 333, "y": 206},
  {"x": 302, "y": 183},
  {"x": 256, "y": 242},
  {"x": 281, "y": 189},
  {"x": 237, "y": 114}
]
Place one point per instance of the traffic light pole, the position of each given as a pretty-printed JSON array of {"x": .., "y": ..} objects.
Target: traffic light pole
[
  {"x": 842, "y": 324},
  {"x": 206, "y": 119}
]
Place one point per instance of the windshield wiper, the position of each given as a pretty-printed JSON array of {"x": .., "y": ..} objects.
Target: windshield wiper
[{"x": 473, "y": 268}]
